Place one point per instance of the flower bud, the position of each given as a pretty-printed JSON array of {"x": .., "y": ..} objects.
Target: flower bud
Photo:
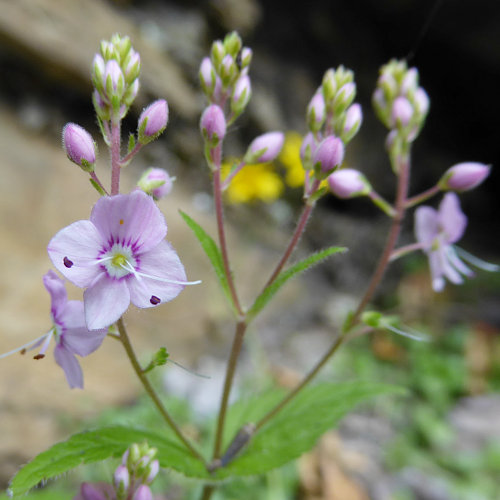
[
  {"x": 241, "y": 94},
  {"x": 464, "y": 176},
  {"x": 153, "y": 121},
  {"x": 131, "y": 93},
  {"x": 98, "y": 68},
  {"x": 79, "y": 146},
  {"x": 421, "y": 101},
  {"x": 114, "y": 80},
  {"x": 143, "y": 493},
  {"x": 348, "y": 183},
  {"x": 402, "y": 112},
  {"x": 228, "y": 70},
  {"x": 89, "y": 491},
  {"x": 245, "y": 57},
  {"x": 344, "y": 97},
  {"x": 207, "y": 76},
  {"x": 132, "y": 66},
  {"x": 213, "y": 124},
  {"x": 328, "y": 154},
  {"x": 232, "y": 43},
  {"x": 217, "y": 53},
  {"x": 316, "y": 112},
  {"x": 329, "y": 85},
  {"x": 156, "y": 182},
  {"x": 352, "y": 121},
  {"x": 154, "y": 468},
  {"x": 121, "y": 479},
  {"x": 409, "y": 83},
  {"x": 264, "y": 148}
]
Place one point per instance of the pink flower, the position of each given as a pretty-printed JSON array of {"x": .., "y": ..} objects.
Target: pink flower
[
  {"x": 119, "y": 256},
  {"x": 436, "y": 231},
  {"x": 69, "y": 331}
]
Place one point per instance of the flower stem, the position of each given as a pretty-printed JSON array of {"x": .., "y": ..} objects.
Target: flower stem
[
  {"x": 419, "y": 198},
  {"x": 115, "y": 156},
  {"x": 94, "y": 177},
  {"x": 152, "y": 393},
  {"x": 381, "y": 203},
  {"x": 220, "y": 228},
  {"x": 228, "y": 383},
  {"x": 401, "y": 251},
  {"x": 126, "y": 159}
]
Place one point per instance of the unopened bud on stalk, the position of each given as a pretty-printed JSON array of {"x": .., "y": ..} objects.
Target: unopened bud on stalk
[
  {"x": 207, "y": 76},
  {"x": 464, "y": 176},
  {"x": 352, "y": 122},
  {"x": 402, "y": 112},
  {"x": 121, "y": 479},
  {"x": 316, "y": 112},
  {"x": 245, "y": 57},
  {"x": 114, "y": 80},
  {"x": 79, "y": 146},
  {"x": 156, "y": 182},
  {"x": 421, "y": 101},
  {"x": 264, "y": 148},
  {"x": 153, "y": 121},
  {"x": 143, "y": 493},
  {"x": 241, "y": 94},
  {"x": 348, "y": 183},
  {"x": 213, "y": 124},
  {"x": 328, "y": 155},
  {"x": 344, "y": 97},
  {"x": 307, "y": 150},
  {"x": 132, "y": 66}
]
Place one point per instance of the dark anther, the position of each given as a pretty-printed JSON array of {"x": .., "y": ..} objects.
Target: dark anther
[
  {"x": 67, "y": 262},
  {"x": 39, "y": 356},
  {"x": 23, "y": 351},
  {"x": 154, "y": 300}
]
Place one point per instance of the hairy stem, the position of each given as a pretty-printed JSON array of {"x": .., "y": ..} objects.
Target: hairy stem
[
  {"x": 115, "y": 156},
  {"x": 228, "y": 383},
  {"x": 151, "y": 392}
]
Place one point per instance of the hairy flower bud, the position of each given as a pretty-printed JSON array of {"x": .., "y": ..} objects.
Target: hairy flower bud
[
  {"x": 348, "y": 183},
  {"x": 98, "y": 68},
  {"x": 328, "y": 154},
  {"x": 121, "y": 479},
  {"x": 207, "y": 76},
  {"x": 264, "y": 148},
  {"x": 143, "y": 493},
  {"x": 153, "y": 121},
  {"x": 307, "y": 150},
  {"x": 316, "y": 112},
  {"x": 79, "y": 146},
  {"x": 156, "y": 182},
  {"x": 213, "y": 124},
  {"x": 241, "y": 94},
  {"x": 402, "y": 112},
  {"x": 464, "y": 176},
  {"x": 352, "y": 121},
  {"x": 114, "y": 80},
  {"x": 344, "y": 97},
  {"x": 421, "y": 101},
  {"x": 132, "y": 66}
]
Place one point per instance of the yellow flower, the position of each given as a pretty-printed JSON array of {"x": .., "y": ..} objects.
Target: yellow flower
[
  {"x": 290, "y": 158},
  {"x": 253, "y": 182}
]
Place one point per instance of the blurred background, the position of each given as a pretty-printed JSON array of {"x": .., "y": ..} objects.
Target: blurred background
[{"x": 442, "y": 441}]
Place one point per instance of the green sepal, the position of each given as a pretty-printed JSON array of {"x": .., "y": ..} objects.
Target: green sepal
[{"x": 131, "y": 143}]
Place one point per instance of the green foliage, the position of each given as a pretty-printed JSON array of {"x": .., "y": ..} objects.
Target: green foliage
[
  {"x": 298, "y": 426},
  {"x": 213, "y": 253},
  {"x": 160, "y": 358},
  {"x": 267, "y": 294},
  {"x": 97, "y": 445}
]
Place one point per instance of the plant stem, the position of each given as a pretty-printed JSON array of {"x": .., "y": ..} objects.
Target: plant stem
[
  {"x": 126, "y": 159},
  {"x": 401, "y": 194},
  {"x": 299, "y": 230},
  {"x": 94, "y": 177},
  {"x": 208, "y": 489},
  {"x": 228, "y": 383},
  {"x": 401, "y": 251},
  {"x": 220, "y": 228},
  {"x": 152, "y": 393},
  {"x": 115, "y": 156},
  {"x": 419, "y": 198}
]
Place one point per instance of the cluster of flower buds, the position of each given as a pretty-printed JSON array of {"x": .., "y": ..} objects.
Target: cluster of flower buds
[
  {"x": 224, "y": 75},
  {"x": 333, "y": 120},
  {"x": 115, "y": 76},
  {"x": 400, "y": 103},
  {"x": 131, "y": 479}
]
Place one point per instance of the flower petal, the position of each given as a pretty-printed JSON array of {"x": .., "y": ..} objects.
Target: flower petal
[
  {"x": 438, "y": 281},
  {"x": 67, "y": 361},
  {"x": 105, "y": 302},
  {"x": 81, "y": 243},
  {"x": 451, "y": 218},
  {"x": 132, "y": 219},
  {"x": 426, "y": 225},
  {"x": 161, "y": 262},
  {"x": 55, "y": 286}
]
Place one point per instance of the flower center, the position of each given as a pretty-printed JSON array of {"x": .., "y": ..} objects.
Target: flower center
[{"x": 118, "y": 261}]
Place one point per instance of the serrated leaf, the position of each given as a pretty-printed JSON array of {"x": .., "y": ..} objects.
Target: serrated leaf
[
  {"x": 213, "y": 253},
  {"x": 299, "y": 425},
  {"x": 268, "y": 293},
  {"x": 97, "y": 445}
]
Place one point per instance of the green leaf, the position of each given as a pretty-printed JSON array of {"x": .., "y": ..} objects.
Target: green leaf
[
  {"x": 160, "y": 358},
  {"x": 97, "y": 445},
  {"x": 299, "y": 425},
  {"x": 266, "y": 295},
  {"x": 213, "y": 253}
]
